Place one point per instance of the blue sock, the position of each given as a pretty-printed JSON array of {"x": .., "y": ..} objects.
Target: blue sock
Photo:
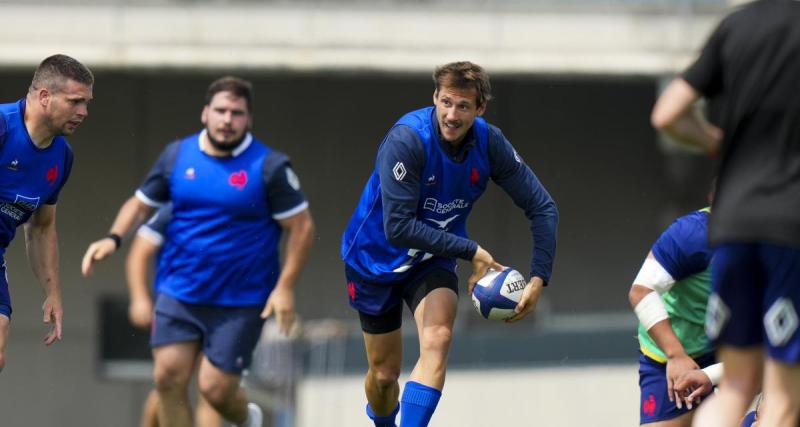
[
  {"x": 384, "y": 421},
  {"x": 418, "y": 403}
]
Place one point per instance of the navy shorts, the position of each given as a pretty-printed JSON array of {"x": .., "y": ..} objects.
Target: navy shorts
[
  {"x": 755, "y": 293},
  {"x": 228, "y": 334},
  {"x": 380, "y": 305},
  {"x": 5, "y": 296},
  {"x": 654, "y": 403}
]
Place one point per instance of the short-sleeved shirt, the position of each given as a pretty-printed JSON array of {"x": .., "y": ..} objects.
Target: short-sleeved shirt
[
  {"x": 29, "y": 176},
  {"x": 749, "y": 70},
  {"x": 221, "y": 244},
  {"x": 684, "y": 252}
]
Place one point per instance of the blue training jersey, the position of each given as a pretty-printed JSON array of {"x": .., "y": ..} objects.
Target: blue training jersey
[
  {"x": 29, "y": 176},
  {"x": 221, "y": 245},
  {"x": 417, "y": 200}
]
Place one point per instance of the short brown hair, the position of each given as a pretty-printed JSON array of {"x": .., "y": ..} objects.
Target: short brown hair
[
  {"x": 54, "y": 70},
  {"x": 464, "y": 75},
  {"x": 237, "y": 86}
]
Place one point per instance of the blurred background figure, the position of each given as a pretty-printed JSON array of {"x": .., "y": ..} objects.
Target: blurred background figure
[{"x": 749, "y": 68}]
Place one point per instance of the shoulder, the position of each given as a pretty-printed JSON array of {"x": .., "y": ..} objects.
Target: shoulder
[{"x": 689, "y": 231}]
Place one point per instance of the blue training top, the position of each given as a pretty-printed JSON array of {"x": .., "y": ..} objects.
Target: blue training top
[
  {"x": 29, "y": 176},
  {"x": 417, "y": 200},
  {"x": 221, "y": 245}
]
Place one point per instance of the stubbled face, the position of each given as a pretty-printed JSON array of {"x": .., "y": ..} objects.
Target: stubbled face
[
  {"x": 456, "y": 110},
  {"x": 227, "y": 120},
  {"x": 66, "y": 108}
]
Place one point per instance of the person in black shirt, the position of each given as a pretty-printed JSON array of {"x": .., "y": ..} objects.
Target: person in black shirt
[{"x": 749, "y": 70}]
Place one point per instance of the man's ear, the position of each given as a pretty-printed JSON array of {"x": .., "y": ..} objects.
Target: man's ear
[{"x": 204, "y": 115}]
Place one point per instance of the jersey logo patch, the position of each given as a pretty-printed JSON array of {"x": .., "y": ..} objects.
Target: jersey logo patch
[
  {"x": 292, "y": 179},
  {"x": 431, "y": 180},
  {"x": 443, "y": 224},
  {"x": 399, "y": 171},
  {"x": 190, "y": 173},
  {"x": 351, "y": 290},
  {"x": 52, "y": 174},
  {"x": 238, "y": 179},
  {"x": 14, "y": 165},
  {"x": 474, "y": 177}
]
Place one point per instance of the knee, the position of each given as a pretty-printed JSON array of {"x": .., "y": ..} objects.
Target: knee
[
  {"x": 216, "y": 393},
  {"x": 436, "y": 339},
  {"x": 170, "y": 378},
  {"x": 385, "y": 376}
]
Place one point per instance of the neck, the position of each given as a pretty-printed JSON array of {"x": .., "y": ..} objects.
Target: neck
[{"x": 37, "y": 130}]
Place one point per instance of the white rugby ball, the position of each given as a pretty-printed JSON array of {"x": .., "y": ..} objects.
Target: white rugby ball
[{"x": 497, "y": 293}]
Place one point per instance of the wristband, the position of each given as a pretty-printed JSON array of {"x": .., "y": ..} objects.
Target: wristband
[{"x": 116, "y": 238}]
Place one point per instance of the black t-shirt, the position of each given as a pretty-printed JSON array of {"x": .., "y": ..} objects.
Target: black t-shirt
[{"x": 750, "y": 70}]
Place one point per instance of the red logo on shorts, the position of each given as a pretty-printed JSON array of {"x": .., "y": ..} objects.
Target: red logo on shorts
[
  {"x": 649, "y": 406},
  {"x": 474, "y": 177},
  {"x": 351, "y": 290},
  {"x": 238, "y": 179},
  {"x": 52, "y": 174}
]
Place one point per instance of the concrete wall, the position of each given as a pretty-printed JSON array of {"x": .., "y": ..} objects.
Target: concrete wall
[{"x": 587, "y": 138}]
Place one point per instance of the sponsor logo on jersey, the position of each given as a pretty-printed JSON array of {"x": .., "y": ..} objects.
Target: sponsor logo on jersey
[
  {"x": 22, "y": 205},
  {"x": 52, "y": 174},
  {"x": 238, "y": 179},
  {"x": 434, "y": 205},
  {"x": 431, "y": 180},
  {"x": 443, "y": 224},
  {"x": 14, "y": 165},
  {"x": 399, "y": 171},
  {"x": 190, "y": 173}
]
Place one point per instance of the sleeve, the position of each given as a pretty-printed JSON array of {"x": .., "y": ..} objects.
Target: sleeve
[
  {"x": 400, "y": 162},
  {"x": 705, "y": 74},
  {"x": 285, "y": 197},
  {"x": 511, "y": 173},
  {"x": 68, "y": 158},
  {"x": 155, "y": 229},
  {"x": 682, "y": 249},
  {"x": 154, "y": 191},
  {"x": 3, "y": 131}
]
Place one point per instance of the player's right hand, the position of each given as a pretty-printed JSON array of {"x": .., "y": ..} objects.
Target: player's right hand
[
  {"x": 140, "y": 313},
  {"x": 96, "y": 252},
  {"x": 482, "y": 261}
]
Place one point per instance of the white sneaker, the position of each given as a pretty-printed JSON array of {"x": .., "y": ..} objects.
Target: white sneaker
[{"x": 255, "y": 417}]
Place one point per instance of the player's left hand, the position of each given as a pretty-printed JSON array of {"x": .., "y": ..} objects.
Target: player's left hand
[
  {"x": 52, "y": 316},
  {"x": 281, "y": 303},
  {"x": 530, "y": 297},
  {"x": 677, "y": 366},
  {"x": 691, "y": 386}
]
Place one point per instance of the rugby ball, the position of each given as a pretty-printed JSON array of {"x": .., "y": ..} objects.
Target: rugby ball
[{"x": 497, "y": 293}]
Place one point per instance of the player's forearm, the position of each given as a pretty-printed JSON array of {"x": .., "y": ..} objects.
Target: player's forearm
[
  {"x": 298, "y": 246},
  {"x": 666, "y": 339},
  {"x": 41, "y": 242},
  {"x": 693, "y": 130},
  {"x": 131, "y": 215},
  {"x": 411, "y": 233},
  {"x": 136, "y": 273}
]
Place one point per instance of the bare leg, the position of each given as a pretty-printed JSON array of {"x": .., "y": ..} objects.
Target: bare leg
[
  {"x": 434, "y": 316},
  {"x": 782, "y": 394},
  {"x": 205, "y": 415},
  {"x": 222, "y": 390},
  {"x": 741, "y": 381},
  {"x": 384, "y": 355},
  {"x": 150, "y": 410},
  {"x": 174, "y": 364},
  {"x": 5, "y": 326}
]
